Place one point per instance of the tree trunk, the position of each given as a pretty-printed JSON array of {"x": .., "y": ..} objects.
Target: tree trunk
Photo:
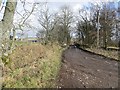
[{"x": 7, "y": 24}]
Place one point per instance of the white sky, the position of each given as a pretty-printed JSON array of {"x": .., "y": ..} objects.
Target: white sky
[{"x": 54, "y": 5}]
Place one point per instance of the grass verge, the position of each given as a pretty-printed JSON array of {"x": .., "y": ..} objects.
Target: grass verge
[
  {"x": 32, "y": 66},
  {"x": 106, "y": 53}
]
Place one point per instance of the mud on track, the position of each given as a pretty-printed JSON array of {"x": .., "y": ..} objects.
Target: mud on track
[{"x": 81, "y": 69}]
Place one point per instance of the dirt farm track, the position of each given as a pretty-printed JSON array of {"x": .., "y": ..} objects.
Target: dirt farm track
[{"x": 81, "y": 69}]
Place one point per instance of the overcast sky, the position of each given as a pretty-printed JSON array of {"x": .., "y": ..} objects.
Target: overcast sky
[{"x": 54, "y": 5}]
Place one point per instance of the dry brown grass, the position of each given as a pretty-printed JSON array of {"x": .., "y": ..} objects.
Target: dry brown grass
[
  {"x": 25, "y": 55},
  {"x": 107, "y": 53},
  {"x": 32, "y": 66}
]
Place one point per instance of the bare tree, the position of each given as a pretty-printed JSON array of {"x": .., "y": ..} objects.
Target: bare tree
[
  {"x": 23, "y": 19},
  {"x": 48, "y": 22},
  {"x": 86, "y": 29},
  {"x": 107, "y": 19},
  {"x": 65, "y": 22},
  {"x": 97, "y": 25}
]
